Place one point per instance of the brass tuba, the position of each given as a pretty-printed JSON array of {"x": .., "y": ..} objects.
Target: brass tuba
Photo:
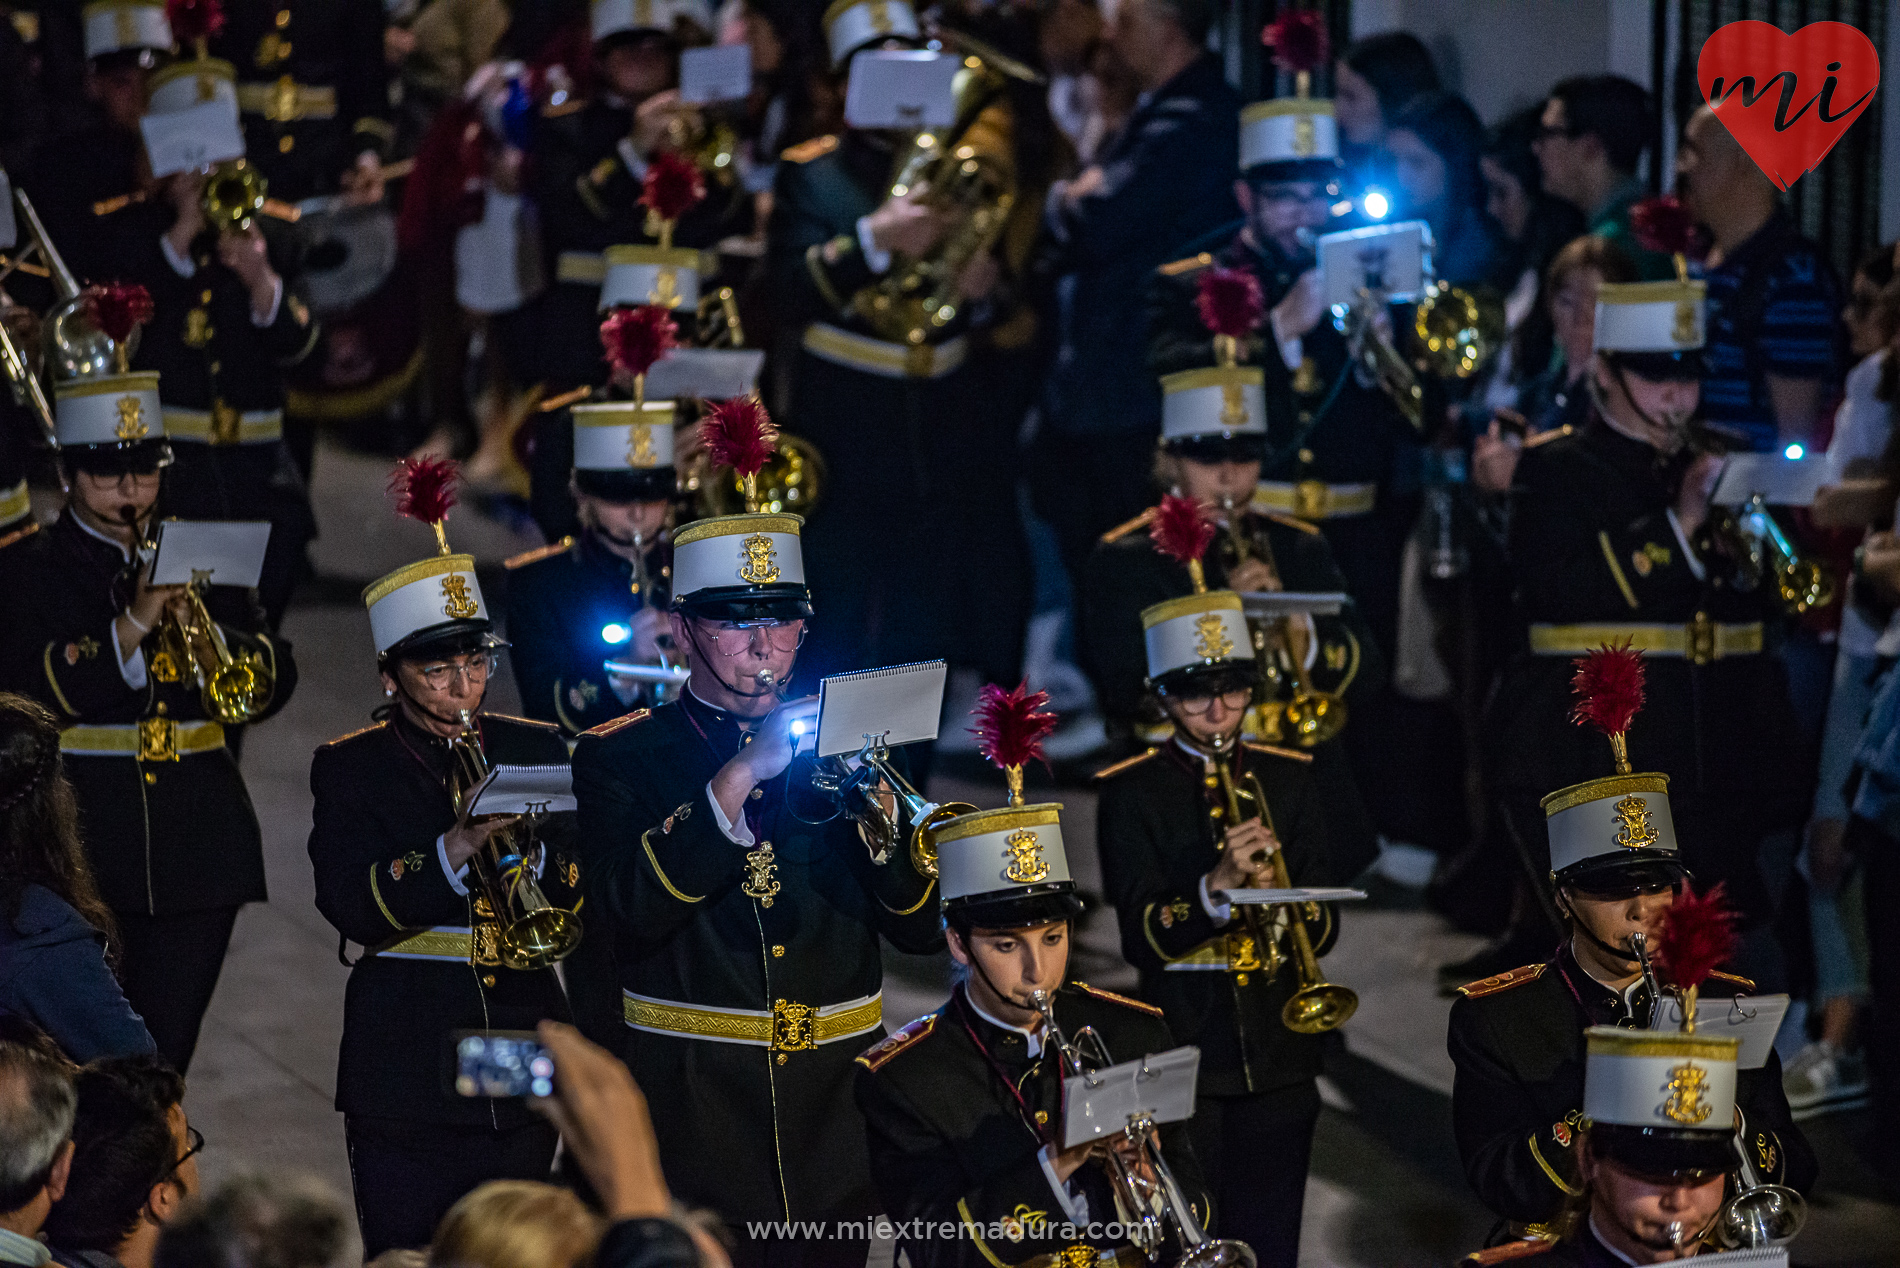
[
  {"x": 233, "y": 687},
  {"x": 793, "y": 479},
  {"x": 968, "y": 170},
  {"x": 534, "y": 932}
]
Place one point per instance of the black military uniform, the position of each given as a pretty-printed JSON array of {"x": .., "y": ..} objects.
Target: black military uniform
[
  {"x": 221, "y": 380},
  {"x": 312, "y": 86},
  {"x": 692, "y": 936},
  {"x": 562, "y": 601},
  {"x": 382, "y": 806},
  {"x": 91, "y": 163},
  {"x": 170, "y": 833},
  {"x": 959, "y": 1111},
  {"x": 1592, "y": 543},
  {"x": 1159, "y": 826},
  {"x": 1517, "y": 1040}
]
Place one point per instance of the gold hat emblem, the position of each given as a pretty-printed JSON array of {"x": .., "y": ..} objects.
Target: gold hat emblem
[
  {"x": 1684, "y": 333},
  {"x": 1233, "y": 405},
  {"x": 666, "y": 287},
  {"x": 1210, "y": 637},
  {"x": 640, "y": 445},
  {"x": 1686, "y": 1087},
  {"x": 1305, "y": 143},
  {"x": 1632, "y": 817},
  {"x": 761, "y": 561},
  {"x": 880, "y": 17},
  {"x": 125, "y": 28},
  {"x": 461, "y": 604},
  {"x": 131, "y": 418},
  {"x": 1026, "y": 864}
]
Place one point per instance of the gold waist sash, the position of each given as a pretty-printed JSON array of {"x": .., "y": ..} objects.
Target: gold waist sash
[
  {"x": 1700, "y": 641},
  {"x": 786, "y": 1027},
  {"x": 225, "y": 426},
  {"x": 1315, "y": 499},
  {"x": 888, "y": 360},
  {"x": 285, "y": 101},
  {"x": 153, "y": 740}
]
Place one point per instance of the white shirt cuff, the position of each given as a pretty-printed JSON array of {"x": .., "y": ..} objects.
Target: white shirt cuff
[
  {"x": 879, "y": 261},
  {"x": 631, "y": 157},
  {"x": 1221, "y": 912},
  {"x": 739, "y": 833},
  {"x": 276, "y": 301},
  {"x": 181, "y": 264},
  {"x": 1075, "y": 1205},
  {"x": 1292, "y": 351},
  {"x": 458, "y": 877},
  {"x": 1688, "y": 552},
  {"x": 131, "y": 668}
]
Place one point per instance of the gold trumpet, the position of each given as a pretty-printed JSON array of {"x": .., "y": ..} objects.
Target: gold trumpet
[
  {"x": 1457, "y": 331},
  {"x": 1318, "y": 1005},
  {"x": 862, "y": 799},
  {"x": 708, "y": 138},
  {"x": 234, "y": 196},
  {"x": 1313, "y": 716},
  {"x": 233, "y": 687},
  {"x": 1762, "y": 550},
  {"x": 534, "y": 932}
]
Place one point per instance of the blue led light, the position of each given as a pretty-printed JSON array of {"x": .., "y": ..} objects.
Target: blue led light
[
  {"x": 1794, "y": 453},
  {"x": 614, "y": 632},
  {"x": 1377, "y": 204}
]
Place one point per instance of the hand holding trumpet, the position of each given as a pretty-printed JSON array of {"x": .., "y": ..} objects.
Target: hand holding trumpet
[{"x": 1248, "y": 847}]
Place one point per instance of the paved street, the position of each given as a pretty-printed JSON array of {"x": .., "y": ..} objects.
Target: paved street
[{"x": 1386, "y": 1188}]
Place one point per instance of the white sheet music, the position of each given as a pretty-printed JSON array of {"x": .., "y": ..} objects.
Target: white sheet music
[
  {"x": 902, "y": 703},
  {"x": 720, "y": 73},
  {"x": 186, "y": 139},
  {"x": 1753, "y": 1019},
  {"x": 1292, "y": 602},
  {"x": 231, "y": 551},
  {"x": 520, "y": 790},
  {"x": 1781, "y": 481},
  {"x": 1100, "y": 1104},
  {"x": 1316, "y": 894},
  {"x": 902, "y": 88}
]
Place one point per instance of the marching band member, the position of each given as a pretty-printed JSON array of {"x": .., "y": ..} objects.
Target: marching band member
[
  {"x": 1517, "y": 1038},
  {"x": 225, "y": 326},
  {"x": 748, "y": 915},
  {"x": 601, "y": 594},
  {"x": 393, "y": 855},
  {"x": 1169, "y": 855},
  {"x": 964, "y": 1106},
  {"x": 170, "y": 833}
]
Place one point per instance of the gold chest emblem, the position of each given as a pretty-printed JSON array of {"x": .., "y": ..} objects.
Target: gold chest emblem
[
  {"x": 1305, "y": 143},
  {"x": 1687, "y": 1085},
  {"x": 761, "y": 875},
  {"x": 1685, "y": 331},
  {"x": 761, "y": 561},
  {"x": 198, "y": 331},
  {"x": 640, "y": 451},
  {"x": 1632, "y": 817},
  {"x": 792, "y": 1026},
  {"x": 1210, "y": 637},
  {"x": 461, "y": 604},
  {"x": 1026, "y": 864},
  {"x": 131, "y": 419}
]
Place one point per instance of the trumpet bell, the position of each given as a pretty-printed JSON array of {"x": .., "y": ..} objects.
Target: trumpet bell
[
  {"x": 1457, "y": 332},
  {"x": 1226, "y": 1253},
  {"x": 1319, "y": 1008},
  {"x": 74, "y": 348},
  {"x": 234, "y": 194},
  {"x": 1314, "y": 717},
  {"x": 1804, "y": 585},
  {"x": 1766, "y": 1216},
  {"x": 923, "y": 834},
  {"x": 232, "y": 692},
  {"x": 539, "y": 938}
]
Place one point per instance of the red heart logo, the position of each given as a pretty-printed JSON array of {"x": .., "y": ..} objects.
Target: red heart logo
[{"x": 1787, "y": 98}]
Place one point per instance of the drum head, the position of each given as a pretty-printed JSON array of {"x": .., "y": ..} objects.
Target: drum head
[{"x": 351, "y": 254}]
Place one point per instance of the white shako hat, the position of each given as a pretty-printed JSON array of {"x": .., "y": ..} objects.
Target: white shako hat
[
  {"x": 186, "y": 84},
  {"x": 1196, "y": 634},
  {"x": 741, "y": 567},
  {"x": 116, "y": 410},
  {"x": 852, "y": 24},
  {"x": 1667, "y": 318},
  {"x": 1660, "y": 1101},
  {"x": 435, "y": 602},
  {"x": 1213, "y": 403},
  {"x": 667, "y": 276},
  {"x": 623, "y": 450},
  {"x": 623, "y": 17},
  {"x": 1615, "y": 831},
  {"x": 124, "y": 26},
  {"x": 1297, "y": 137}
]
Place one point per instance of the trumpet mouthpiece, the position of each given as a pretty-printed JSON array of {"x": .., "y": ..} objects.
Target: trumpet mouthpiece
[{"x": 766, "y": 678}]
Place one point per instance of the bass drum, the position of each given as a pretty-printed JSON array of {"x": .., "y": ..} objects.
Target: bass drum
[{"x": 369, "y": 350}]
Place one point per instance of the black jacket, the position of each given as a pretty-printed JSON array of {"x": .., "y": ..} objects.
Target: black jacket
[
  {"x": 381, "y": 803},
  {"x": 1517, "y": 1042},
  {"x": 791, "y": 1145},
  {"x": 952, "y": 1144},
  {"x": 821, "y": 189},
  {"x": 1159, "y": 828},
  {"x": 163, "y": 836}
]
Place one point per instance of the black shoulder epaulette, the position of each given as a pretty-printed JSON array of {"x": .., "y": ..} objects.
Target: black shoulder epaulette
[
  {"x": 1289, "y": 520},
  {"x": 536, "y": 723},
  {"x": 874, "y": 1058},
  {"x": 806, "y": 151},
  {"x": 1506, "y": 1253},
  {"x": 1292, "y": 754},
  {"x": 624, "y": 720},
  {"x": 539, "y": 553},
  {"x": 1113, "y": 998},
  {"x": 1127, "y": 763},
  {"x": 19, "y": 534},
  {"x": 1502, "y": 981},
  {"x": 363, "y": 730},
  {"x": 1174, "y": 268},
  {"x": 1745, "y": 983},
  {"x": 1545, "y": 437},
  {"x": 1120, "y": 531}
]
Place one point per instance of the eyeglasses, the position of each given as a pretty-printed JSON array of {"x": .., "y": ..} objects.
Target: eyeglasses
[
  {"x": 474, "y": 671},
  {"x": 1196, "y": 706},
  {"x": 195, "y": 1145},
  {"x": 734, "y": 638}
]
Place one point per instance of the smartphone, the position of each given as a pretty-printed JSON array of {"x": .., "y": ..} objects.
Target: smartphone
[{"x": 502, "y": 1063}]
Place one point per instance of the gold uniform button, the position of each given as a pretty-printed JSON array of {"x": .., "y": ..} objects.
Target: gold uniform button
[
  {"x": 781, "y": 1058},
  {"x": 1042, "y": 1116},
  {"x": 205, "y": 298},
  {"x": 150, "y": 778},
  {"x": 285, "y": 144},
  {"x": 1306, "y": 455},
  {"x": 488, "y": 979},
  {"x": 283, "y": 18},
  {"x": 757, "y": 793},
  {"x": 1241, "y": 979},
  {"x": 777, "y": 951}
]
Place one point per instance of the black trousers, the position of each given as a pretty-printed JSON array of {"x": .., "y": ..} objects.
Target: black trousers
[
  {"x": 169, "y": 969},
  {"x": 797, "y": 1252},
  {"x": 1254, "y": 1151},
  {"x": 407, "y": 1175}
]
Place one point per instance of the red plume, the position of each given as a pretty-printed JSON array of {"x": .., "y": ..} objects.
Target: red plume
[
  {"x": 1298, "y": 41},
  {"x": 673, "y": 184},
  {"x": 738, "y": 433},
  {"x": 1182, "y": 529},
  {"x": 1663, "y": 224},
  {"x": 1230, "y": 302},
  {"x": 193, "y": 20},
  {"x": 1696, "y": 935},
  {"x": 1609, "y": 684},
  {"x": 637, "y": 337},
  {"x": 424, "y": 488},
  {"x": 116, "y": 308},
  {"x": 1010, "y": 726}
]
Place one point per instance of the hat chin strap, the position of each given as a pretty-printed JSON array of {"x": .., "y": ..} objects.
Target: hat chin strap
[
  {"x": 1625, "y": 955},
  {"x": 772, "y": 686}
]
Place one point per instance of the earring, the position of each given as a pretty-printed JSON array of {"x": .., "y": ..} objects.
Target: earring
[{"x": 389, "y": 691}]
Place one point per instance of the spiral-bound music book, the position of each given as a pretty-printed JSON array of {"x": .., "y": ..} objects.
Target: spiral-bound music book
[{"x": 902, "y": 703}]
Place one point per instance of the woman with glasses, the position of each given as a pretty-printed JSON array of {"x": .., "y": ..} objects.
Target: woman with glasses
[
  {"x": 392, "y": 857},
  {"x": 169, "y": 830},
  {"x": 1171, "y": 853}
]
